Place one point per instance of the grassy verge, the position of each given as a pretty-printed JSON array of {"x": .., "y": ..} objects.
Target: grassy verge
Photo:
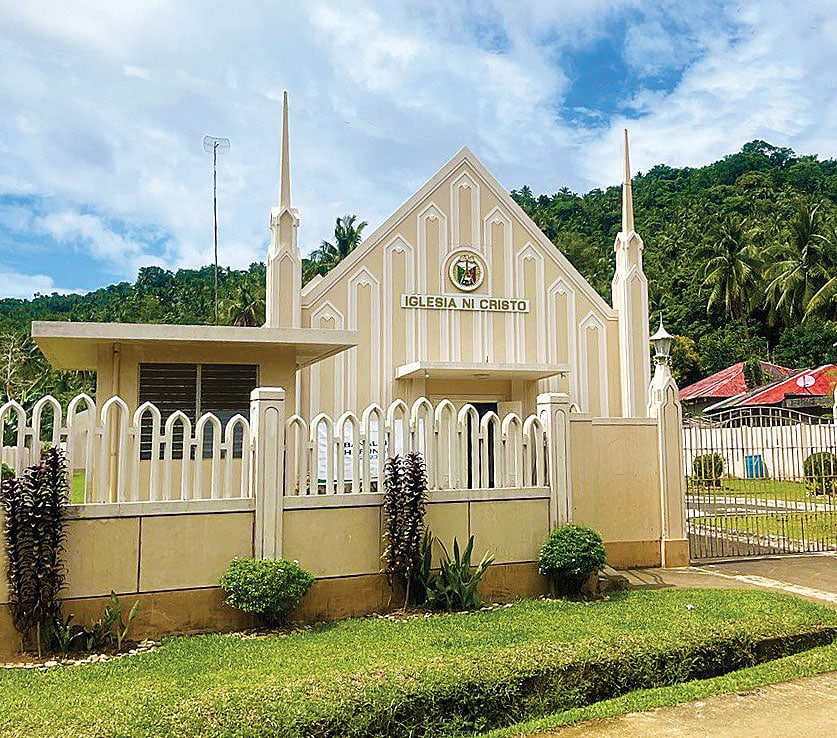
[
  {"x": 808, "y": 663},
  {"x": 809, "y": 526},
  {"x": 423, "y": 677},
  {"x": 758, "y": 488}
]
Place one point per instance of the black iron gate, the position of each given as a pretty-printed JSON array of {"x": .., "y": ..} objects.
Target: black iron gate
[{"x": 760, "y": 481}]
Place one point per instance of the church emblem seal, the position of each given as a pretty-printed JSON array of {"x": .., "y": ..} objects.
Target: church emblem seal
[{"x": 466, "y": 271}]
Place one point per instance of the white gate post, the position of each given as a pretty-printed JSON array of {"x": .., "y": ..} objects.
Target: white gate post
[
  {"x": 554, "y": 413},
  {"x": 267, "y": 470},
  {"x": 664, "y": 406}
]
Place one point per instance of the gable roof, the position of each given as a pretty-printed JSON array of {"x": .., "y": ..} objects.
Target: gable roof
[
  {"x": 729, "y": 382},
  {"x": 819, "y": 382},
  {"x": 312, "y": 291}
]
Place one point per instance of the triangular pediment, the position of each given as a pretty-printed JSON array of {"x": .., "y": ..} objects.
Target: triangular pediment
[{"x": 464, "y": 166}]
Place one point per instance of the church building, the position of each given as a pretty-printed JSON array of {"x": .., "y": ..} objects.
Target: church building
[{"x": 457, "y": 295}]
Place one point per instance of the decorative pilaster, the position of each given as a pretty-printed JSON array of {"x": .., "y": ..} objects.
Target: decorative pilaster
[
  {"x": 267, "y": 470},
  {"x": 664, "y": 406},
  {"x": 553, "y": 409},
  {"x": 630, "y": 300},
  {"x": 284, "y": 266}
]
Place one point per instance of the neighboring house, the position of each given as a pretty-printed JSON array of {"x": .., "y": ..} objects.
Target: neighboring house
[
  {"x": 809, "y": 390},
  {"x": 726, "y": 384}
]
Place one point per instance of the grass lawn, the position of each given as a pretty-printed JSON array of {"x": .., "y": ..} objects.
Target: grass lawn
[
  {"x": 77, "y": 488},
  {"x": 446, "y": 675},
  {"x": 760, "y": 488},
  {"x": 811, "y": 526}
]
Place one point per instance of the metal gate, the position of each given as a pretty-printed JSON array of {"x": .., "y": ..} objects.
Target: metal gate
[{"x": 760, "y": 481}]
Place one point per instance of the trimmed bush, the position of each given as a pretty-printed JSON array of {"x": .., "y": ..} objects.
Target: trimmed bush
[
  {"x": 821, "y": 473},
  {"x": 569, "y": 556},
  {"x": 707, "y": 469},
  {"x": 270, "y": 588}
]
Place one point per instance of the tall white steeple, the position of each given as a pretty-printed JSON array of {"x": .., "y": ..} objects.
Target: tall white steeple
[
  {"x": 284, "y": 265},
  {"x": 630, "y": 300}
]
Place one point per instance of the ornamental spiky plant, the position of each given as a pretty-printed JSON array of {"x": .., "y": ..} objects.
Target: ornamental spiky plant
[
  {"x": 34, "y": 533},
  {"x": 405, "y": 502}
]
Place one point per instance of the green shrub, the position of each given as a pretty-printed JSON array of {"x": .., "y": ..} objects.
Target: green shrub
[
  {"x": 6, "y": 472},
  {"x": 269, "y": 588},
  {"x": 707, "y": 469},
  {"x": 821, "y": 473},
  {"x": 569, "y": 556},
  {"x": 454, "y": 588}
]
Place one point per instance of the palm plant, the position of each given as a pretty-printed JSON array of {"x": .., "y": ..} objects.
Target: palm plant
[
  {"x": 347, "y": 237},
  {"x": 824, "y": 300},
  {"x": 731, "y": 269},
  {"x": 799, "y": 268},
  {"x": 245, "y": 306}
]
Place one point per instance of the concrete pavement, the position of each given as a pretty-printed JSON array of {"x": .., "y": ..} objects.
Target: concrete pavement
[
  {"x": 812, "y": 576},
  {"x": 805, "y": 707}
]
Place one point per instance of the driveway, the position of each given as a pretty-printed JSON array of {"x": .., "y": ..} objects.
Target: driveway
[{"x": 812, "y": 576}]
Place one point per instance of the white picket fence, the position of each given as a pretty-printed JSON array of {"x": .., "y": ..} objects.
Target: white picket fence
[
  {"x": 461, "y": 450},
  {"x": 104, "y": 446},
  {"x": 115, "y": 461}
]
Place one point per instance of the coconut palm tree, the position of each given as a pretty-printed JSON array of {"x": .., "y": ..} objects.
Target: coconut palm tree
[
  {"x": 245, "y": 304},
  {"x": 799, "y": 268},
  {"x": 347, "y": 237},
  {"x": 731, "y": 269}
]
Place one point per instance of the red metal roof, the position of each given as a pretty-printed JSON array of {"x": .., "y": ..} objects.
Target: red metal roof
[
  {"x": 729, "y": 382},
  {"x": 820, "y": 382}
]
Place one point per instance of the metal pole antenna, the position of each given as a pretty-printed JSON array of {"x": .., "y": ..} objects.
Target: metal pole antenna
[{"x": 215, "y": 145}]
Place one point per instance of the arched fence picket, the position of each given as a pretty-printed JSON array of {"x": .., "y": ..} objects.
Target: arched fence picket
[
  {"x": 461, "y": 449},
  {"x": 119, "y": 456}
]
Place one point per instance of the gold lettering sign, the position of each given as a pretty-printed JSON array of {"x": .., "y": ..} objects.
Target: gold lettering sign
[{"x": 477, "y": 303}]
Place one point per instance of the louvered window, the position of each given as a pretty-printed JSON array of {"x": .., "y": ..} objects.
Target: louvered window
[{"x": 222, "y": 389}]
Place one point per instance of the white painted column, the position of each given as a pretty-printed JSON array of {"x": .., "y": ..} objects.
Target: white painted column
[
  {"x": 664, "y": 406},
  {"x": 267, "y": 468},
  {"x": 554, "y": 412}
]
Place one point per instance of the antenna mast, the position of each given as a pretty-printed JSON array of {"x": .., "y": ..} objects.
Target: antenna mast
[{"x": 216, "y": 146}]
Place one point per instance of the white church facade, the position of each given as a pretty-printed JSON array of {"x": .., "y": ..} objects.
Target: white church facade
[{"x": 460, "y": 295}]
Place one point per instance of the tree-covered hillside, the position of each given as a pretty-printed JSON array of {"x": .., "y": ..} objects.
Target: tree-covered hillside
[
  {"x": 741, "y": 258},
  {"x": 741, "y": 255}
]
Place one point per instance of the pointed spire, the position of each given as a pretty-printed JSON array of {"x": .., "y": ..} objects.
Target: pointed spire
[
  {"x": 285, "y": 183},
  {"x": 627, "y": 192}
]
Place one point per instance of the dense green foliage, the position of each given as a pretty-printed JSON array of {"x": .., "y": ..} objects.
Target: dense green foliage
[
  {"x": 821, "y": 473},
  {"x": 437, "y": 676},
  {"x": 34, "y": 509},
  {"x": 269, "y": 588},
  {"x": 737, "y": 253},
  {"x": 741, "y": 258},
  {"x": 570, "y": 555}
]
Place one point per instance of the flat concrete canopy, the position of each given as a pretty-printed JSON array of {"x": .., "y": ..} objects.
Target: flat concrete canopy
[
  {"x": 76, "y": 345},
  {"x": 460, "y": 370}
]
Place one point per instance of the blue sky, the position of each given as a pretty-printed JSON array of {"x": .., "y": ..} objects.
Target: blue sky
[{"x": 105, "y": 106}]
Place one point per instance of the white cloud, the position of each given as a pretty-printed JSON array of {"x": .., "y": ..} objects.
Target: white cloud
[
  {"x": 105, "y": 105},
  {"x": 25, "y": 286}
]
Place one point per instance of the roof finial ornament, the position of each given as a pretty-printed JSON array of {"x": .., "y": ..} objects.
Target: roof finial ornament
[
  {"x": 285, "y": 180},
  {"x": 627, "y": 192}
]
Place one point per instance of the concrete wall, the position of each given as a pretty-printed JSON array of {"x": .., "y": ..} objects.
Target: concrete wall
[
  {"x": 616, "y": 482},
  {"x": 172, "y": 562}
]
